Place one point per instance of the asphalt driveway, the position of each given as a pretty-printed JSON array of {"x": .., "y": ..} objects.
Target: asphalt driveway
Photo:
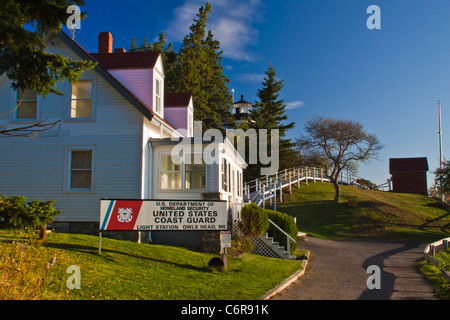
[{"x": 337, "y": 270}]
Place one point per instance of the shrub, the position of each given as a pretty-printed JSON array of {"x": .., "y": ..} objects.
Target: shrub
[
  {"x": 15, "y": 213},
  {"x": 254, "y": 220},
  {"x": 286, "y": 223},
  {"x": 239, "y": 246}
]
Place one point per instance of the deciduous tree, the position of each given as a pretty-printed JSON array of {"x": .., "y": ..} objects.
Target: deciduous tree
[{"x": 343, "y": 142}]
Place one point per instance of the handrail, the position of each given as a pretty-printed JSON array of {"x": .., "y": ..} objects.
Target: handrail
[
  {"x": 430, "y": 251},
  {"x": 312, "y": 173},
  {"x": 287, "y": 235},
  {"x": 288, "y": 243}
]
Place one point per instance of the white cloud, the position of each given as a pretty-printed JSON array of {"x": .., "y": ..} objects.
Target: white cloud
[
  {"x": 250, "y": 77},
  {"x": 231, "y": 21},
  {"x": 295, "y": 104}
]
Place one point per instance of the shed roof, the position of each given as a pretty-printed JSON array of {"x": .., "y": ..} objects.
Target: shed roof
[
  {"x": 124, "y": 60},
  {"x": 408, "y": 164},
  {"x": 177, "y": 99}
]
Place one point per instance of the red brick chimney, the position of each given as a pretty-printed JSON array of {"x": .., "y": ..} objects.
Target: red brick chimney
[{"x": 105, "y": 42}]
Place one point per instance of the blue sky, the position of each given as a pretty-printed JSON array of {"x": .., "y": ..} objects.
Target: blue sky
[{"x": 332, "y": 65}]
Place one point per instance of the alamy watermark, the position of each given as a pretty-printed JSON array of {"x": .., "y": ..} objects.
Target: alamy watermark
[
  {"x": 74, "y": 280},
  {"x": 74, "y": 21},
  {"x": 374, "y": 21},
  {"x": 249, "y": 146},
  {"x": 374, "y": 281}
]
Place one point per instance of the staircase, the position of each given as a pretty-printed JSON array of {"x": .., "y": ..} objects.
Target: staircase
[
  {"x": 266, "y": 188},
  {"x": 266, "y": 246}
]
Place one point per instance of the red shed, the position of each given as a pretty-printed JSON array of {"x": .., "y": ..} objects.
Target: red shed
[{"x": 409, "y": 175}]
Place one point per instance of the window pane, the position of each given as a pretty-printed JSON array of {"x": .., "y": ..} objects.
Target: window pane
[
  {"x": 224, "y": 175},
  {"x": 195, "y": 180},
  {"x": 82, "y": 90},
  {"x": 195, "y": 173},
  {"x": 157, "y": 87},
  {"x": 168, "y": 165},
  {"x": 27, "y": 110},
  {"x": 170, "y": 180},
  {"x": 157, "y": 104},
  {"x": 80, "y": 179},
  {"x": 26, "y": 95},
  {"x": 80, "y": 109},
  {"x": 81, "y": 160}
]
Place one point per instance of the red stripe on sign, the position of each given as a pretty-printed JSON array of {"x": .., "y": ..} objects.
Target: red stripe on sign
[{"x": 124, "y": 215}]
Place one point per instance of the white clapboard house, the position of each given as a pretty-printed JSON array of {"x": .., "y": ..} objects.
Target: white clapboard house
[{"x": 116, "y": 132}]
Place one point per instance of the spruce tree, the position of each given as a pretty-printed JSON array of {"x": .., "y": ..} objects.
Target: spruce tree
[
  {"x": 269, "y": 113},
  {"x": 169, "y": 55},
  {"x": 23, "y": 26},
  {"x": 199, "y": 70}
]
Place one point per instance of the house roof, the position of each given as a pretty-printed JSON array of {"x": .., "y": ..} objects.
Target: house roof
[
  {"x": 408, "y": 164},
  {"x": 124, "y": 60},
  {"x": 102, "y": 71},
  {"x": 177, "y": 99}
]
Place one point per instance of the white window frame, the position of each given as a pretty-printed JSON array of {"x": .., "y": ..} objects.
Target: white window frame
[
  {"x": 13, "y": 110},
  {"x": 158, "y": 96},
  {"x": 161, "y": 172},
  {"x": 183, "y": 174},
  {"x": 68, "y": 169},
  {"x": 224, "y": 175},
  {"x": 68, "y": 95},
  {"x": 184, "y": 171}
]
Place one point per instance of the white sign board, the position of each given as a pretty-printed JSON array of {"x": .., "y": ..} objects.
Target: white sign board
[
  {"x": 225, "y": 239},
  {"x": 157, "y": 215}
]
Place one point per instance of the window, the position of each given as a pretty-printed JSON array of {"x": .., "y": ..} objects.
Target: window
[
  {"x": 81, "y": 100},
  {"x": 80, "y": 177},
  {"x": 186, "y": 176},
  {"x": 26, "y": 105},
  {"x": 157, "y": 96},
  {"x": 170, "y": 174},
  {"x": 224, "y": 175},
  {"x": 195, "y": 173}
]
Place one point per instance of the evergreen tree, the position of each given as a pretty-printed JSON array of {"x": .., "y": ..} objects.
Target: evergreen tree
[
  {"x": 269, "y": 113},
  {"x": 198, "y": 70},
  {"x": 133, "y": 47},
  {"x": 169, "y": 55},
  {"x": 22, "y": 51}
]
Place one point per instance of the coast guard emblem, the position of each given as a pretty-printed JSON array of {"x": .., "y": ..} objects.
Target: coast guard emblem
[{"x": 124, "y": 215}]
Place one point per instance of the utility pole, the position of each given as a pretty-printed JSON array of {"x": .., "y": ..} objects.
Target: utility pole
[{"x": 440, "y": 148}]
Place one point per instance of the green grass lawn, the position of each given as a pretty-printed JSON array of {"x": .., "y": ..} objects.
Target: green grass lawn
[
  {"x": 433, "y": 273},
  {"x": 365, "y": 214},
  {"x": 128, "y": 270}
]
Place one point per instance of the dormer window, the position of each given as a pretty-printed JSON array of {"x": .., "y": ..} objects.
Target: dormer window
[
  {"x": 157, "y": 96},
  {"x": 26, "y": 105}
]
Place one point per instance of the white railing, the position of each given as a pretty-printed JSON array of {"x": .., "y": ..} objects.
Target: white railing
[
  {"x": 288, "y": 237},
  {"x": 266, "y": 187},
  {"x": 430, "y": 251}
]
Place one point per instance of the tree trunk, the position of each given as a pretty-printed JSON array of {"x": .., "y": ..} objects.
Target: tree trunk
[
  {"x": 42, "y": 232},
  {"x": 338, "y": 191}
]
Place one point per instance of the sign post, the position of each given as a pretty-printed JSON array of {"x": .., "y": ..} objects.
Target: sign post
[{"x": 99, "y": 243}]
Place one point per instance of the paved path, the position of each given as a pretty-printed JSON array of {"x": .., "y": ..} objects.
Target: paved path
[{"x": 337, "y": 271}]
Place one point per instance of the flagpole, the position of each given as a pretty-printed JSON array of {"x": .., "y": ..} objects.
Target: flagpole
[{"x": 440, "y": 148}]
